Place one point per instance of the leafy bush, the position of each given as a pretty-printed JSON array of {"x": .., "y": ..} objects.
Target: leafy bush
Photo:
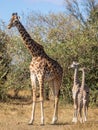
[{"x": 4, "y": 64}]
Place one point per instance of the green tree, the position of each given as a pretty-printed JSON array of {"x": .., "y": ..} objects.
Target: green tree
[
  {"x": 65, "y": 38},
  {"x": 4, "y": 64},
  {"x": 19, "y": 65}
]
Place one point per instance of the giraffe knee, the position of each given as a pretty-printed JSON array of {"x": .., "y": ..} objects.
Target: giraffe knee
[
  {"x": 75, "y": 106},
  {"x": 34, "y": 99},
  {"x": 84, "y": 102},
  {"x": 56, "y": 99},
  {"x": 41, "y": 98},
  {"x": 34, "y": 94}
]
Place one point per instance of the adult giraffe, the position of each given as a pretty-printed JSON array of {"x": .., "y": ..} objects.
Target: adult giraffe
[{"x": 42, "y": 68}]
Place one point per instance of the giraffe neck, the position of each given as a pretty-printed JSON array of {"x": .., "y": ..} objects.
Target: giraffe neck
[
  {"x": 76, "y": 80},
  {"x": 35, "y": 48},
  {"x": 83, "y": 80}
]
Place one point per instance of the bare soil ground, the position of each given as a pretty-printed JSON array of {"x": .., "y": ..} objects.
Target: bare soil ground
[{"x": 15, "y": 116}]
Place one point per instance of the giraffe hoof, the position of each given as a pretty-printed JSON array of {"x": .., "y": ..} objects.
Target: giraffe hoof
[
  {"x": 41, "y": 124},
  {"x": 54, "y": 121},
  {"x": 81, "y": 121},
  {"x": 85, "y": 120},
  {"x": 30, "y": 123},
  {"x": 74, "y": 120}
]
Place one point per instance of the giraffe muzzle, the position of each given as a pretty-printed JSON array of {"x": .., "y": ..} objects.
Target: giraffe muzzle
[{"x": 8, "y": 26}]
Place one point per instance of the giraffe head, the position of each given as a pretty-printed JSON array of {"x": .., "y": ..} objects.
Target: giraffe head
[
  {"x": 74, "y": 65},
  {"x": 13, "y": 21}
]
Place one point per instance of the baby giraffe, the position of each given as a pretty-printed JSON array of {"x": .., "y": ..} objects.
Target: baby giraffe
[
  {"x": 84, "y": 97},
  {"x": 80, "y": 94},
  {"x": 75, "y": 90}
]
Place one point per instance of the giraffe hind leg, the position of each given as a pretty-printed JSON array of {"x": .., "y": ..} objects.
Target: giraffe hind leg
[
  {"x": 85, "y": 111},
  {"x": 56, "y": 89},
  {"x": 80, "y": 115},
  {"x": 74, "y": 120},
  {"x": 55, "y": 115}
]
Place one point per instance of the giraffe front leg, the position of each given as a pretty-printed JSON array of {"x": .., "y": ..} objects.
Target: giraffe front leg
[
  {"x": 33, "y": 112},
  {"x": 33, "y": 107},
  {"x": 74, "y": 120},
  {"x": 33, "y": 83},
  {"x": 80, "y": 114},
  {"x": 42, "y": 113},
  {"x": 41, "y": 85}
]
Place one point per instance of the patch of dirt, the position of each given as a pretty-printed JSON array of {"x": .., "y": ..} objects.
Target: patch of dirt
[{"x": 16, "y": 117}]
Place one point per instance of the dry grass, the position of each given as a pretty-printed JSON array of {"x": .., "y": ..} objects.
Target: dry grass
[{"x": 16, "y": 117}]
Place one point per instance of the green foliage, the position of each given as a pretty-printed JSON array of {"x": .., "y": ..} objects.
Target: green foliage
[
  {"x": 19, "y": 66},
  {"x": 4, "y": 64}
]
